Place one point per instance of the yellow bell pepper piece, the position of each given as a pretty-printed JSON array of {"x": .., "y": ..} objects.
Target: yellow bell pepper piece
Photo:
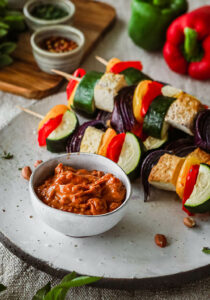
[
  {"x": 139, "y": 93},
  {"x": 180, "y": 184},
  {"x": 71, "y": 99},
  {"x": 54, "y": 112},
  {"x": 111, "y": 63},
  {"x": 106, "y": 139}
]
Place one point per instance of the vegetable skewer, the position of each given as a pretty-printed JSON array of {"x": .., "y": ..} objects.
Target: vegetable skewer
[
  {"x": 102, "y": 60},
  {"x": 55, "y": 128},
  {"x": 66, "y": 75},
  {"x": 31, "y": 112}
]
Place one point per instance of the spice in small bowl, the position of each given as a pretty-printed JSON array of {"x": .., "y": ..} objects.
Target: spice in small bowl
[
  {"x": 48, "y": 12},
  {"x": 58, "y": 44}
]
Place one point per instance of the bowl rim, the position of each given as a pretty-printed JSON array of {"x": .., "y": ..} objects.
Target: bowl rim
[
  {"x": 38, "y": 21},
  {"x": 75, "y": 154},
  {"x": 61, "y": 28}
]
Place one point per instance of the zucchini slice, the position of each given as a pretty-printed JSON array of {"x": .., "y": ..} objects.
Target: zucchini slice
[
  {"x": 154, "y": 122},
  {"x": 84, "y": 95},
  {"x": 130, "y": 155},
  {"x": 57, "y": 140},
  {"x": 152, "y": 143},
  {"x": 199, "y": 201},
  {"x": 134, "y": 76}
]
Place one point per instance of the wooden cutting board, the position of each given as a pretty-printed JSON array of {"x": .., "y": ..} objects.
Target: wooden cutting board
[{"x": 25, "y": 78}]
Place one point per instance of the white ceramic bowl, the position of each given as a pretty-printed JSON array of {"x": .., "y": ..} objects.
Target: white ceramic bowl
[
  {"x": 72, "y": 224},
  {"x": 67, "y": 61},
  {"x": 36, "y": 23}
]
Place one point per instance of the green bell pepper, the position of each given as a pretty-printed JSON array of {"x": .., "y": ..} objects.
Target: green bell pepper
[{"x": 150, "y": 20}]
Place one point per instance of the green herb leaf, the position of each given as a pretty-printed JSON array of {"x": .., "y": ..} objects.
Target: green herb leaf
[
  {"x": 206, "y": 250},
  {"x": 5, "y": 60},
  {"x": 2, "y": 287},
  {"x": 6, "y": 155},
  {"x": 15, "y": 21},
  {"x": 3, "y": 25},
  {"x": 59, "y": 292},
  {"x": 40, "y": 295},
  {"x": 3, "y": 32},
  {"x": 7, "y": 47},
  {"x": 3, "y": 3}
]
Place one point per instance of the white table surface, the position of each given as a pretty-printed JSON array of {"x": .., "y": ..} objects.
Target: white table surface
[{"x": 23, "y": 280}]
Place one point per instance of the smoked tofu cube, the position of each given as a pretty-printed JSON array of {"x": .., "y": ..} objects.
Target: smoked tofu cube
[
  {"x": 91, "y": 140},
  {"x": 201, "y": 155},
  {"x": 106, "y": 89},
  {"x": 170, "y": 91},
  {"x": 165, "y": 173},
  {"x": 182, "y": 113}
]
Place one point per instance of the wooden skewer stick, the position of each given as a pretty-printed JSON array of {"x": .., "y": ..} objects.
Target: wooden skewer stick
[
  {"x": 66, "y": 75},
  {"x": 102, "y": 60},
  {"x": 31, "y": 112}
]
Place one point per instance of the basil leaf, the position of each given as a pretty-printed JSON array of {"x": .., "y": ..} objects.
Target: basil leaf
[
  {"x": 7, "y": 47},
  {"x": 3, "y": 3},
  {"x": 67, "y": 278},
  {"x": 15, "y": 22},
  {"x": 206, "y": 250},
  {"x": 2, "y": 287},
  {"x": 40, "y": 295},
  {"x": 4, "y": 25},
  {"x": 59, "y": 292},
  {"x": 3, "y": 32},
  {"x": 5, "y": 60}
]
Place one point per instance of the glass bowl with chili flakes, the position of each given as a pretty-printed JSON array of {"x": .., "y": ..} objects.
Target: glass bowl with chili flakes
[
  {"x": 40, "y": 14},
  {"x": 80, "y": 194},
  {"x": 58, "y": 47}
]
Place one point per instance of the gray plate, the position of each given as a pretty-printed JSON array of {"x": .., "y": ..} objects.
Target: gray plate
[{"x": 126, "y": 255}]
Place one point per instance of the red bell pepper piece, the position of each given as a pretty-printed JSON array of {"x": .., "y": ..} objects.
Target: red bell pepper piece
[
  {"x": 138, "y": 131},
  {"x": 115, "y": 146},
  {"x": 123, "y": 65},
  {"x": 47, "y": 128},
  {"x": 189, "y": 185},
  {"x": 187, "y": 49},
  {"x": 72, "y": 83},
  {"x": 154, "y": 90}
]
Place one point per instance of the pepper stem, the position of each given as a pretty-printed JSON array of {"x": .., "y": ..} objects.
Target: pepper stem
[
  {"x": 191, "y": 46},
  {"x": 161, "y": 2}
]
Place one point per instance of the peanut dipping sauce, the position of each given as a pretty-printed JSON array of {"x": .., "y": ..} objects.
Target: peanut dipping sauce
[{"x": 82, "y": 191}]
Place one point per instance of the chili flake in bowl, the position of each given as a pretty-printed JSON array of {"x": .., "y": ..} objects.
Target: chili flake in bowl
[
  {"x": 69, "y": 195},
  {"x": 56, "y": 44},
  {"x": 58, "y": 47}
]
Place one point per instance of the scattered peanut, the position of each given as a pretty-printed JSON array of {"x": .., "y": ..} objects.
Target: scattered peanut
[
  {"x": 189, "y": 222},
  {"x": 38, "y": 162},
  {"x": 26, "y": 172},
  {"x": 160, "y": 240}
]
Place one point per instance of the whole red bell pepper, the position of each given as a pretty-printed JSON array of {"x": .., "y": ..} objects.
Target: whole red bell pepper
[
  {"x": 47, "y": 128},
  {"x": 123, "y": 65},
  {"x": 72, "y": 83},
  {"x": 187, "y": 49},
  {"x": 115, "y": 146},
  {"x": 189, "y": 185}
]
